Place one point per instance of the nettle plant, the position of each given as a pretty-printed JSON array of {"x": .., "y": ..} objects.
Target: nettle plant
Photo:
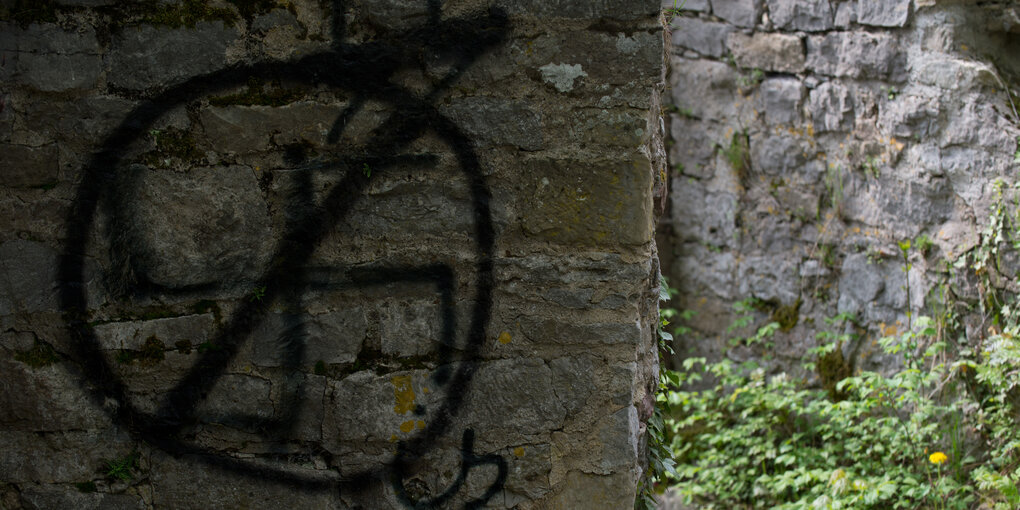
[{"x": 940, "y": 432}]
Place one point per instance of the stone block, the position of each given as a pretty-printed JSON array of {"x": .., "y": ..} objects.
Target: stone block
[
  {"x": 206, "y": 226},
  {"x": 618, "y": 437},
  {"x": 59, "y": 457},
  {"x": 27, "y": 167},
  {"x": 583, "y": 490},
  {"x": 47, "y": 58},
  {"x": 573, "y": 380},
  {"x": 45, "y": 498},
  {"x": 368, "y": 408},
  {"x": 705, "y": 88},
  {"x": 768, "y": 51},
  {"x": 778, "y": 154},
  {"x": 41, "y": 399},
  {"x": 883, "y": 13},
  {"x": 689, "y": 5},
  {"x": 28, "y": 271},
  {"x": 188, "y": 482},
  {"x": 146, "y": 56},
  {"x": 742, "y": 13},
  {"x": 703, "y": 216},
  {"x": 333, "y": 337},
  {"x": 612, "y": 9},
  {"x": 805, "y": 15},
  {"x": 195, "y": 329},
  {"x": 856, "y": 55},
  {"x": 705, "y": 37},
  {"x": 587, "y": 202},
  {"x": 781, "y": 100},
  {"x": 79, "y": 123},
  {"x": 908, "y": 116},
  {"x": 846, "y": 15},
  {"x": 410, "y": 328},
  {"x": 245, "y": 129},
  {"x": 494, "y": 122},
  {"x": 513, "y": 398},
  {"x": 768, "y": 277},
  {"x": 832, "y": 108}
]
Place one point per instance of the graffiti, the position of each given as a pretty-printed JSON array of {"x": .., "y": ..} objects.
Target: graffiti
[{"x": 364, "y": 72}]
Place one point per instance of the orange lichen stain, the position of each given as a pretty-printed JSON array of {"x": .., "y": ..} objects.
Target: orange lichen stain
[
  {"x": 889, "y": 330},
  {"x": 393, "y": 438},
  {"x": 426, "y": 391},
  {"x": 519, "y": 452},
  {"x": 504, "y": 338},
  {"x": 407, "y": 426},
  {"x": 857, "y": 230},
  {"x": 420, "y": 425},
  {"x": 403, "y": 394}
]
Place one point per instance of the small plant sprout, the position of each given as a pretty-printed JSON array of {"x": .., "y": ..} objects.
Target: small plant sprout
[
  {"x": 258, "y": 293},
  {"x": 366, "y": 170}
]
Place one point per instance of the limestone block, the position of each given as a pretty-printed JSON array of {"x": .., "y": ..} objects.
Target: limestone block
[
  {"x": 806, "y": 15},
  {"x": 207, "y": 225},
  {"x": 26, "y": 167},
  {"x": 192, "y": 483},
  {"x": 59, "y": 457},
  {"x": 587, "y": 202},
  {"x": 856, "y": 55},
  {"x": 781, "y": 100},
  {"x": 613, "y": 9},
  {"x": 195, "y": 329},
  {"x": 846, "y": 14},
  {"x": 705, "y": 37},
  {"x": 704, "y": 216},
  {"x": 47, "y": 58},
  {"x": 883, "y": 13},
  {"x": 45, "y": 398},
  {"x": 244, "y": 129},
  {"x": 43, "y": 498},
  {"x": 331, "y": 337},
  {"x": 410, "y": 327},
  {"x": 146, "y": 56},
  {"x": 909, "y": 116},
  {"x": 768, "y": 51},
  {"x": 832, "y": 108},
  {"x": 742, "y": 13},
  {"x": 494, "y": 122},
  {"x": 704, "y": 87},
  {"x": 778, "y": 154}
]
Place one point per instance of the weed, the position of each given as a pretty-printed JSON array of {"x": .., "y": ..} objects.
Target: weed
[
  {"x": 833, "y": 182},
  {"x": 738, "y": 154},
  {"x": 366, "y": 170},
  {"x": 751, "y": 80},
  {"x": 924, "y": 244},
  {"x": 122, "y": 468},
  {"x": 257, "y": 294}
]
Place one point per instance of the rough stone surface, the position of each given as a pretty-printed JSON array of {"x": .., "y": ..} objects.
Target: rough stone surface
[
  {"x": 883, "y": 13},
  {"x": 264, "y": 268},
  {"x": 881, "y": 130},
  {"x": 705, "y": 37},
  {"x": 146, "y": 56},
  {"x": 806, "y": 15},
  {"x": 768, "y": 52},
  {"x": 741, "y": 13}
]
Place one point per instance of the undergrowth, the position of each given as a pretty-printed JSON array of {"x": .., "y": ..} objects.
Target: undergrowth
[{"x": 939, "y": 432}]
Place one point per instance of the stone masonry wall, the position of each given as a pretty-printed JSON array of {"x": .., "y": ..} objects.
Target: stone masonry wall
[
  {"x": 809, "y": 138},
  {"x": 327, "y": 254}
]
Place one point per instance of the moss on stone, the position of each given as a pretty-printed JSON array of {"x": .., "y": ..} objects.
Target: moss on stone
[
  {"x": 251, "y": 8},
  {"x": 186, "y": 14},
  {"x": 40, "y": 355},
  {"x": 259, "y": 94},
  {"x": 26, "y": 12},
  {"x": 172, "y": 144},
  {"x": 832, "y": 367},
  {"x": 787, "y": 315},
  {"x": 183, "y": 346}
]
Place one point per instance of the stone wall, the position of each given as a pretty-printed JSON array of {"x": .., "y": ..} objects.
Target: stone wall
[
  {"x": 251, "y": 257},
  {"x": 809, "y": 139}
]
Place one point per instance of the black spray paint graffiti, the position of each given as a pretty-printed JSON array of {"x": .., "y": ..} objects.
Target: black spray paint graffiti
[{"x": 365, "y": 71}]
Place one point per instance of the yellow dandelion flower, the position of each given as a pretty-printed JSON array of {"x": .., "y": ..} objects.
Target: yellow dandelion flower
[{"x": 937, "y": 458}]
